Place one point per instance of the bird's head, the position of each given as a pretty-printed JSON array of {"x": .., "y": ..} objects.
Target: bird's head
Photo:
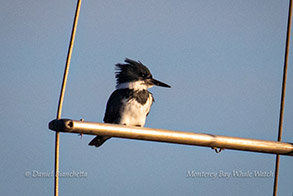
[{"x": 134, "y": 75}]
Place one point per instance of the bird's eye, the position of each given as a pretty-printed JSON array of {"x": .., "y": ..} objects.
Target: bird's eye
[{"x": 142, "y": 75}]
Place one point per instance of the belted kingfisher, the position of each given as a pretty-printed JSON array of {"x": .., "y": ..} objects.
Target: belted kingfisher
[{"x": 130, "y": 103}]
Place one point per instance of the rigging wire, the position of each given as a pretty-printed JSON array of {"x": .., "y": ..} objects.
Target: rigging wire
[
  {"x": 281, "y": 116},
  {"x": 61, "y": 98}
]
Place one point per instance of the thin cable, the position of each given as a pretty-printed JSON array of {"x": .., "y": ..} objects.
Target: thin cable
[
  {"x": 61, "y": 98},
  {"x": 283, "y": 96}
]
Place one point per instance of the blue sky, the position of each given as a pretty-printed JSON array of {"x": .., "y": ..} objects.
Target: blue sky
[{"x": 223, "y": 59}]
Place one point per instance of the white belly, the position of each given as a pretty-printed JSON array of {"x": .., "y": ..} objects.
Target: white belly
[{"x": 134, "y": 114}]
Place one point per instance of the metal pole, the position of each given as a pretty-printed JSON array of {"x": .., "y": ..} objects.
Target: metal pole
[
  {"x": 178, "y": 137},
  {"x": 286, "y": 59},
  {"x": 61, "y": 98}
]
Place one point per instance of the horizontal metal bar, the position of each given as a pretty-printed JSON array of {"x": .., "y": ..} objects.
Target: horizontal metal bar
[{"x": 178, "y": 137}]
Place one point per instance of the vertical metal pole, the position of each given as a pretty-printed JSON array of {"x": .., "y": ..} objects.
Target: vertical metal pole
[
  {"x": 283, "y": 96},
  {"x": 61, "y": 98}
]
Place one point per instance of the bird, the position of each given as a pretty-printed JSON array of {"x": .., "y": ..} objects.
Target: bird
[{"x": 130, "y": 103}]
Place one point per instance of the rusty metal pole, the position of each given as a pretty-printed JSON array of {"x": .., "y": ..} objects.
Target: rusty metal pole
[{"x": 170, "y": 136}]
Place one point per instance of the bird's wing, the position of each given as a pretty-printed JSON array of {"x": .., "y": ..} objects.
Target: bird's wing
[
  {"x": 115, "y": 104},
  {"x": 153, "y": 100}
]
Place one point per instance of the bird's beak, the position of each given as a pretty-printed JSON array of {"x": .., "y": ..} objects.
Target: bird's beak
[{"x": 158, "y": 83}]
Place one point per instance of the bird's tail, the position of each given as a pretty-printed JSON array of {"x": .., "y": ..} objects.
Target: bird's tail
[{"x": 99, "y": 140}]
